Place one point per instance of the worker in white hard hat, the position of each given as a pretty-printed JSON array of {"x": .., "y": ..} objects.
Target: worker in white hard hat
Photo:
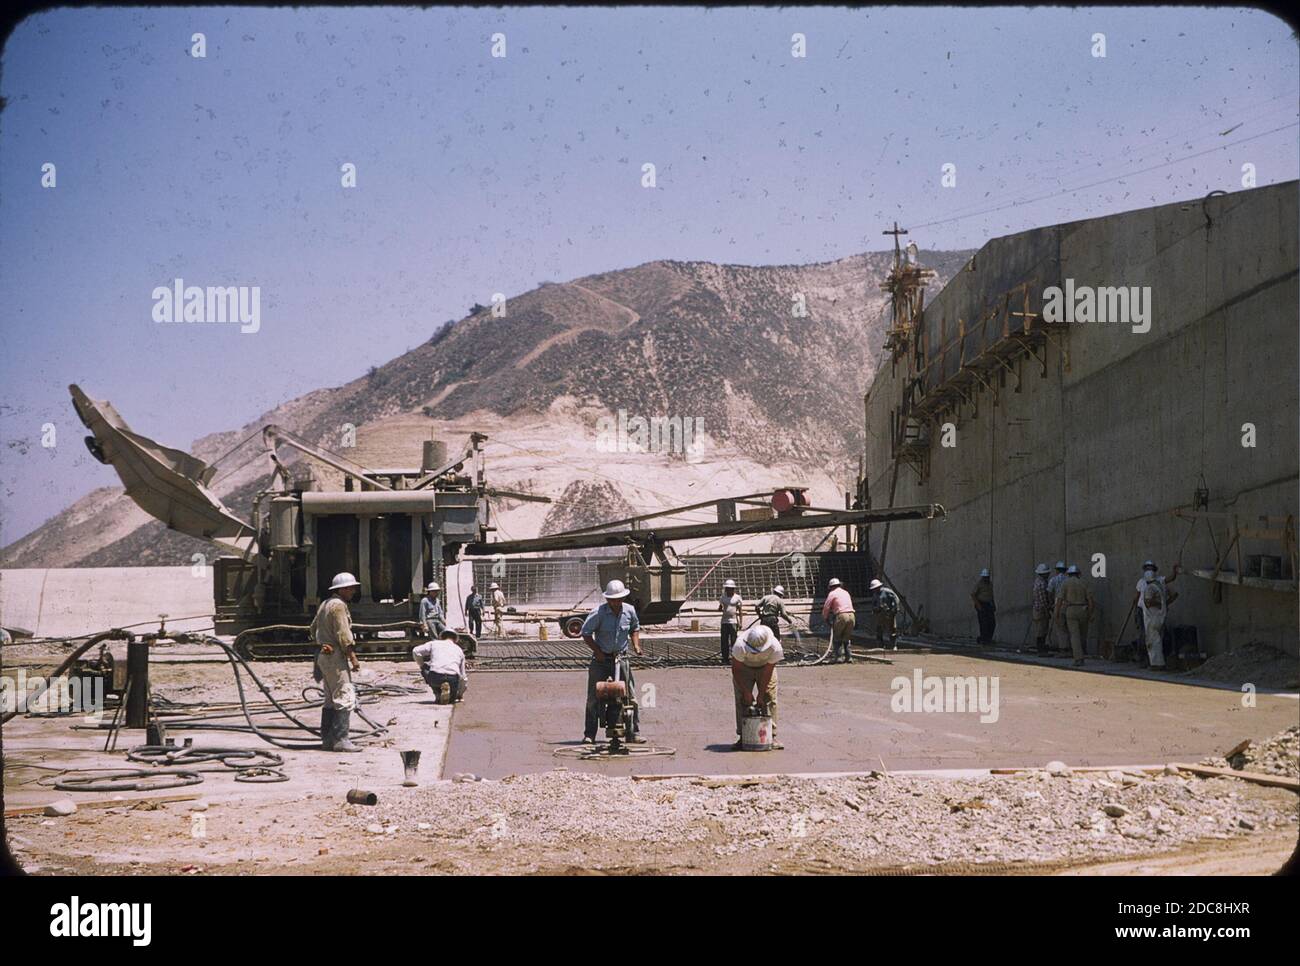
[
  {"x": 753, "y": 676},
  {"x": 607, "y": 631},
  {"x": 474, "y": 611},
  {"x": 1041, "y": 607},
  {"x": 885, "y": 605},
  {"x": 837, "y": 611},
  {"x": 498, "y": 608},
  {"x": 771, "y": 610},
  {"x": 1151, "y": 572},
  {"x": 985, "y": 608},
  {"x": 733, "y": 612},
  {"x": 1075, "y": 603},
  {"x": 432, "y": 617},
  {"x": 1057, "y": 636},
  {"x": 331, "y": 629}
]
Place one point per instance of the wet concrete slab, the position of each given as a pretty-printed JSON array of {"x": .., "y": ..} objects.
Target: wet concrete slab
[{"x": 842, "y": 718}]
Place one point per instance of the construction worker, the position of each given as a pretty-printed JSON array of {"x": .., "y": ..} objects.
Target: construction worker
[
  {"x": 1042, "y": 603},
  {"x": 432, "y": 618},
  {"x": 1056, "y": 634},
  {"x": 885, "y": 606},
  {"x": 1150, "y": 565},
  {"x": 498, "y": 607},
  {"x": 442, "y": 665},
  {"x": 732, "y": 607},
  {"x": 1154, "y": 597},
  {"x": 837, "y": 611},
  {"x": 753, "y": 676},
  {"x": 474, "y": 611},
  {"x": 1075, "y": 602},
  {"x": 771, "y": 609},
  {"x": 985, "y": 608},
  {"x": 331, "y": 629},
  {"x": 607, "y": 631}
]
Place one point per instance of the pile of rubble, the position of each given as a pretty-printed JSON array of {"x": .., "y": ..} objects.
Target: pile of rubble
[
  {"x": 537, "y": 821},
  {"x": 1262, "y": 665},
  {"x": 1279, "y": 755}
]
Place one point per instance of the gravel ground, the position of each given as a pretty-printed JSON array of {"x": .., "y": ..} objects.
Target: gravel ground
[
  {"x": 1257, "y": 664},
  {"x": 1280, "y": 755}
]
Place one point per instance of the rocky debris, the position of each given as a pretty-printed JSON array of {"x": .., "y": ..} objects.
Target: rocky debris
[
  {"x": 61, "y": 807},
  {"x": 1258, "y": 664},
  {"x": 1279, "y": 755},
  {"x": 533, "y": 821}
]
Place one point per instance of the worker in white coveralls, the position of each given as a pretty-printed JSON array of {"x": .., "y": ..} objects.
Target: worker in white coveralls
[
  {"x": 498, "y": 608},
  {"x": 607, "y": 631},
  {"x": 753, "y": 676},
  {"x": 442, "y": 665},
  {"x": 331, "y": 629},
  {"x": 1154, "y": 597},
  {"x": 1141, "y": 589}
]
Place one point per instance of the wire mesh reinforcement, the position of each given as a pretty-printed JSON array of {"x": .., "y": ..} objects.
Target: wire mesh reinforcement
[
  {"x": 668, "y": 651},
  {"x": 573, "y": 582}
]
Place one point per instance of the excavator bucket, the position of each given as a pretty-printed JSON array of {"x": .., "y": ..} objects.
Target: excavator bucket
[{"x": 164, "y": 482}]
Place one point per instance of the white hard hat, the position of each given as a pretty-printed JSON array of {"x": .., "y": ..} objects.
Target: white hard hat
[
  {"x": 834, "y": 582},
  {"x": 778, "y": 590},
  {"x": 1041, "y": 569},
  {"x": 874, "y": 584},
  {"x": 758, "y": 635},
  {"x": 494, "y": 586},
  {"x": 616, "y": 590},
  {"x": 1073, "y": 570},
  {"x": 1060, "y": 565},
  {"x": 984, "y": 572},
  {"x": 432, "y": 587},
  {"x": 1149, "y": 565},
  {"x": 344, "y": 580},
  {"x": 729, "y": 585}
]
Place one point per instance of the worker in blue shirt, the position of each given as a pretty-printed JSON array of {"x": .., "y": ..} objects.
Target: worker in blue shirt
[{"x": 607, "y": 631}]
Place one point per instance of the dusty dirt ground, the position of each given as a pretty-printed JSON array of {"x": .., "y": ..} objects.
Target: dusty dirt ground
[{"x": 544, "y": 815}]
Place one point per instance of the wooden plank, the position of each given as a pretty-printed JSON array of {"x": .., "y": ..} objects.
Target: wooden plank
[
  {"x": 100, "y": 803},
  {"x": 1258, "y": 778}
]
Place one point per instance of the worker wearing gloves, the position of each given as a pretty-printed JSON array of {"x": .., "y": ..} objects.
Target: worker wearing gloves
[
  {"x": 771, "y": 609},
  {"x": 837, "y": 611},
  {"x": 1076, "y": 603},
  {"x": 442, "y": 665},
  {"x": 331, "y": 629},
  {"x": 1042, "y": 606},
  {"x": 433, "y": 620},
  {"x": 498, "y": 608},
  {"x": 753, "y": 676},
  {"x": 607, "y": 631},
  {"x": 474, "y": 611},
  {"x": 732, "y": 608},
  {"x": 985, "y": 608},
  {"x": 886, "y": 612}
]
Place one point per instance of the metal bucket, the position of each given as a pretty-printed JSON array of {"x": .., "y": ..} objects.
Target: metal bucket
[{"x": 756, "y": 732}]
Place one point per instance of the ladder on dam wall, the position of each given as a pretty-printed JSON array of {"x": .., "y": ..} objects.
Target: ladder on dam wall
[{"x": 979, "y": 356}]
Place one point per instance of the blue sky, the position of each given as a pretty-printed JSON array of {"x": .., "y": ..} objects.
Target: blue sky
[{"x": 479, "y": 175}]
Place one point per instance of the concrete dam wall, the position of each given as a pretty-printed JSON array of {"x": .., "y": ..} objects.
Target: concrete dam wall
[{"x": 1080, "y": 443}]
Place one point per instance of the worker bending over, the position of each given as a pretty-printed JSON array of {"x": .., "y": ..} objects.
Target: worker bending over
[
  {"x": 607, "y": 631},
  {"x": 442, "y": 665},
  {"x": 885, "y": 606},
  {"x": 753, "y": 676},
  {"x": 837, "y": 611},
  {"x": 331, "y": 629}
]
